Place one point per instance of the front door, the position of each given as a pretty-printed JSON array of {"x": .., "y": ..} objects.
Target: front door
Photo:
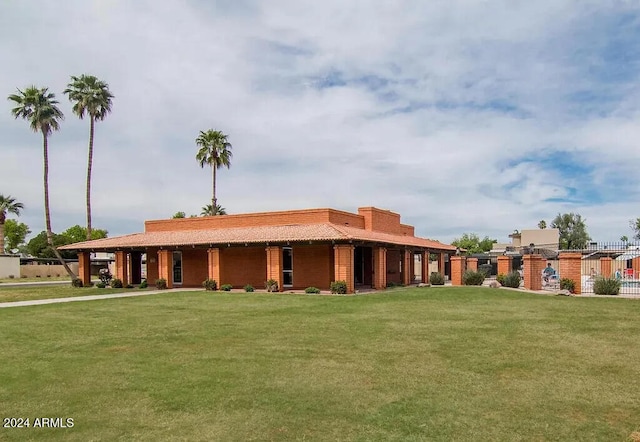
[{"x": 177, "y": 268}]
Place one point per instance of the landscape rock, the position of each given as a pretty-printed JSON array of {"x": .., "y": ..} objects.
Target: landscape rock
[
  {"x": 422, "y": 284},
  {"x": 495, "y": 284}
]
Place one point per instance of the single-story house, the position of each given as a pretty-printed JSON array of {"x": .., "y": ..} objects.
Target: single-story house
[{"x": 297, "y": 249}]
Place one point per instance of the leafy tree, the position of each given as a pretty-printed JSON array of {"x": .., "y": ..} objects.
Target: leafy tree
[
  {"x": 179, "y": 215},
  {"x": 542, "y": 224},
  {"x": 8, "y": 204},
  {"x": 38, "y": 107},
  {"x": 93, "y": 98},
  {"x": 15, "y": 233},
  {"x": 215, "y": 151},
  {"x": 573, "y": 231},
  {"x": 624, "y": 239},
  {"x": 78, "y": 233},
  {"x": 39, "y": 246},
  {"x": 473, "y": 244},
  {"x": 209, "y": 210},
  {"x": 635, "y": 226}
]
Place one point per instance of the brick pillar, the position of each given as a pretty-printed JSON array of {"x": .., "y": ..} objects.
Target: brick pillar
[
  {"x": 606, "y": 267},
  {"x": 122, "y": 267},
  {"x": 505, "y": 264},
  {"x": 152, "y": 266},
  {"x": 441, "y": 264},
  {"x": 425, "y": 267},
  {"x": 213, "y": 265},
  {"x": 165, "y": 266},
  {"x": 472, "y": 264},
  {"x": 458, "y": 264},
  {"x": 533, "y": 266},
  {"x": 84, "y": 268},
  {"x": 136, "y": 267},
  {"x": 274, "y": 265},
  {"x": 379, "y": 268},
  {"x": 343, "y": 265},
  {"x": 407, "y": 273},
  {"x": 635, "y": 265},
  {"x": 570, "y": 267}
]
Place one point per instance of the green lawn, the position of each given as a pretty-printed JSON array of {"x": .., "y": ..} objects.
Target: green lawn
[
  {"x": 406, "y": 365},
  {"x": 12, "y": 294},
  {"x": 34, "y": 279}
]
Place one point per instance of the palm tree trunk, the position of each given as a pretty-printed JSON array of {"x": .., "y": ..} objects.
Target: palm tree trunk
[
  {"x": 1, "y": 235},
  {"x": 47, "y": 213},
  {"x": 214, "y": 201},
  {"x": 89, "y": 163}
]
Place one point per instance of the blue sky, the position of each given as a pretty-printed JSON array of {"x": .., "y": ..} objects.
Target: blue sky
[{"x": 463, "y": 116}]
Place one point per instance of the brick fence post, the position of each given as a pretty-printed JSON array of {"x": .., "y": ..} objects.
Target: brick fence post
[
  {"x": 458, "y": 264},
  {"x": 472, "y": 264},
  {"x": 533, "y": 266},
  {"x": 504, "y": 264},
  {"x": 605, "y": 267},
  {"x": 570, "y": 267}
]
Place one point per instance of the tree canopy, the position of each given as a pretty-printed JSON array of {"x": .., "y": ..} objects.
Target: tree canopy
[
  {"x": 39, "y": 248},
  {"x": 573, "y": 231},
  {"x": 635, "y": 226},
  {"x": 15, "y": 234},
  {"x": 472, "y": 243}
]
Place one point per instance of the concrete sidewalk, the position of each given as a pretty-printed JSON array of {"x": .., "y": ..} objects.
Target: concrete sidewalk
[{"x": 90, "y": 298}]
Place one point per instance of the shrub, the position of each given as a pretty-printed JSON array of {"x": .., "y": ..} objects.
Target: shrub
[
  {"x": 105, "y": 276},
  {"x": 144, "y": 284},
  {"x": 392, "y": 284},
  {"x": 312, "y": 290},
  {"x": 76, "y": 282},
  {"x": 568, "y": 284},
  {"x": 486, "y": 269},
  {"x": 101, "y": 285},
  {"x": 226, "y": 287},
  {"x": 210, "y": 285},
  {"x": 129, "y": 286},
  {"x": 470, "y": 277},
  {"x": 512, "y": 279},
  {"x": 606, "y": 286},
  {"x": 436, "y": 278},
  {"x": 500, "y": 278},
  {"x": 116, "y": 283},
  {"x": 248, "y": 288},
  {"x": 161, "y": 284},
  {"x": 271, "y": 285},
  {"x": 339, "y": 287},
  {"x": 11, "y": 276}
]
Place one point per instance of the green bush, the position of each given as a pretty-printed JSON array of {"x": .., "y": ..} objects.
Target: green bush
[
  {"x": 568, "y": 284},
  {"x": 339, "y": 287},
  {"x": 210, "y": 285},
  {"x": 248, "y": 288},
  {"x": 486, "y": 269},
  {"x": 512, "y": 279},
  {"x": 271, "y": 285},
  {"x": 471, "y": 277},
  {"x": 392, "y": 284},
  {"x": 77, "y": 283},
  {"x": 606, "y": 286},
  {"x": 226, "y": 287},
  {"x": 129, "y": 286},
  {"x": 436, "y": 278},
  {"x": 500, "y": 278},
  {"x": 116, "y": 283},
  {"x": 101, "y": 285},
  {"x": 161, "y": 284},
  {"x": 312, "y": 290},
  {"x": 144, "y": 284}
]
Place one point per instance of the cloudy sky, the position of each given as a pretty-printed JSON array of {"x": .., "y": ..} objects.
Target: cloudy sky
[{"x": 461, "y": 115}]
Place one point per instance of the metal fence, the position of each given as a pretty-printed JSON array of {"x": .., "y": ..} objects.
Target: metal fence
[{"x": 617, "y": 260}]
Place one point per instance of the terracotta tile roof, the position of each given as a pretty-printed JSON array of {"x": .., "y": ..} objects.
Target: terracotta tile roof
[{"x": 252, "y": 235}]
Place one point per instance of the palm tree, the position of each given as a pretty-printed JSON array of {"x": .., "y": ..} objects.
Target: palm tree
[
  {"x": 91, "y": 96},
  {"x": 38, "y": 107},
  {"x": 7, "y": 205},
  {"x": 542, "y": 224},
  {"x": 215, "y": 151},
  {"x": 209, "y": 210}
]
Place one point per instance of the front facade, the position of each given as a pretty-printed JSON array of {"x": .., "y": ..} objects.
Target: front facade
[{"x": 297, "y": 249}]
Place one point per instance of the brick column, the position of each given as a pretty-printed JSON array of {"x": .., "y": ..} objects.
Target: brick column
[
  {"x": 505, "y": 264},
  {"x": 165, "y": 266},
  {"x": 570, "y": 267},
  {"x": 379, "y": 268},
  {"x": 458, "y": 264},
  {"x": 213, "y": 265},
  {"x": 533, "y": 266},
  {"x": 136, "y": 267},
  {"x": 441, "y": 264},
  {"x": 343, "y": 265},
  {"x": 122, "y": 267},
  {"x": 274, "y": 265},
  {"x": 152, "y": 266},
  {"x": 425, "y": 267},
  {"x": 84, "y": 268},
  {"x": 606, "y": 267},
  {"x": 407, "y": 273},
  {"x": 472, "y": 264},
  {"x": 635, "y": 265}
]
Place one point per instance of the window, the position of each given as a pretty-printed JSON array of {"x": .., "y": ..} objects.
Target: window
[
  {"x": 177, "y": 267},
  {"x": 287, "y": 267}
]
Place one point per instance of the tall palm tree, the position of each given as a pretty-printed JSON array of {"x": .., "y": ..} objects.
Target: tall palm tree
[
  {"x": 215, "y": 151},
  {"x": 38, "y": 107},
  {"x": 92, "y": 97},
  {"x": 209, "y": 210},
  {"x": 7, "y": 205}
]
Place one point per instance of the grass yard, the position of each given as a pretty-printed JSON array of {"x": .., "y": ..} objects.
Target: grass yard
[
  {"x": 34, "y": 279},
  {"x": 12, "y": 294},
  {"x": 407, "y": 365}
]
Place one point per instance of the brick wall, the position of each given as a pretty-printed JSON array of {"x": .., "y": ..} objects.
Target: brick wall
[
  {"x": 458, "y": 266},
  {"x": 570, "y": 267},
  {"x": 384, "y": 221},
  {"x": 194, "y": 267},
  {"x": 244, "y": 265},
  {"x": 393, "y": 266},
  {"x": 312, "y": 266},
  {"x": 152, "y": 266}
]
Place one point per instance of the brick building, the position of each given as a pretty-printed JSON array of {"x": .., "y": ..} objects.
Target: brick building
[{"x": 297, "y": 248}]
